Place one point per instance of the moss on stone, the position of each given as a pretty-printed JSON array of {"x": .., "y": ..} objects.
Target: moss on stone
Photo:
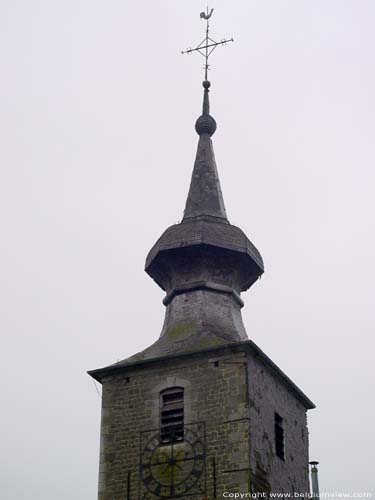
[
  {"x": 136, "y": 357},
  {"x": 181, "y": 331},
  {"x": 209, "y": 342}
]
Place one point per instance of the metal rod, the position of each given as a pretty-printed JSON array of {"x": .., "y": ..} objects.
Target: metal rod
[
  {"x": 214, "y": 476},
  {"x": 222, "y": 42}
]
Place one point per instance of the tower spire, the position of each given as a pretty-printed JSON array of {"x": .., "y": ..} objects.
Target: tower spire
[
  {"x": 203, "y": 263},
  {"x": 205, "y": 198}
]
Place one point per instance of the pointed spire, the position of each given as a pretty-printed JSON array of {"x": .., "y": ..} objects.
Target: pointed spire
[{"x": 205, "y": 197}]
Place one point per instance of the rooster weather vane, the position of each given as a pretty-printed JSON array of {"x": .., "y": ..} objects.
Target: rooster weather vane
[{"x": 208, "y": 44}]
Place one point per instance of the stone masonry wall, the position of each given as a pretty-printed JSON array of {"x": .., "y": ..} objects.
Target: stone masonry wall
[
  {"x": 215, "y": 392},
  {"x": 268, "y": 394}
]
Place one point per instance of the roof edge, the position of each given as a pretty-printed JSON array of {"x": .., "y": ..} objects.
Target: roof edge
[{"x": 248, "y": 345}]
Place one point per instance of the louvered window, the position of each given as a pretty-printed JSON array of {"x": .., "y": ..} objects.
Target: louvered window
[
  {"x": 172, "y": 415},
  {"x": 279, "y": 436}
]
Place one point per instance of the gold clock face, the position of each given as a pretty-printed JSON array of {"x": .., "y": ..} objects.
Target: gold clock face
[{"x": 172, "y": 470}]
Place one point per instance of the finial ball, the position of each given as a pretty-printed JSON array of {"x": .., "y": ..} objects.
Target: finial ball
[
  {"x": 205, "y": 124},
  {"x": 206, "y": 84}
]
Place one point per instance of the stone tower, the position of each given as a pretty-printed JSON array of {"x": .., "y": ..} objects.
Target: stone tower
[{"x": 202, "y": 413}]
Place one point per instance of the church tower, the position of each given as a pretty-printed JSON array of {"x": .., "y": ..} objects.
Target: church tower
[{"x": 202, "y": 413}]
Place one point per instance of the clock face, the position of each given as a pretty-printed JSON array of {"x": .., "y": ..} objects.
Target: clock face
[{"x": 173, "y": 470}]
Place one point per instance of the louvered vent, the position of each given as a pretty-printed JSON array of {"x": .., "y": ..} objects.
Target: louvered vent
[{"x": 172, "y": 415}]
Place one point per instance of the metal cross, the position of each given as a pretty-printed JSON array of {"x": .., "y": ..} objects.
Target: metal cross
[{"x": 208, "y": 44}]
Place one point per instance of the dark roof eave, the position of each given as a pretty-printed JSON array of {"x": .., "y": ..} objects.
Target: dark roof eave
[
  {"x": 247, "y": 345},
  {"x": 238, "y": 243}
]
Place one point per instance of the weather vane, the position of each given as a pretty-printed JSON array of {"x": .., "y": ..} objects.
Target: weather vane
[{"x": 208, "y": 44}]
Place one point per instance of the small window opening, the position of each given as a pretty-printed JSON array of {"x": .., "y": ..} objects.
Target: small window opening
[
  {"x": 216, "y": 364},
  {"x": 279, "y": 436},
  {"x": 172, "y": 415}
]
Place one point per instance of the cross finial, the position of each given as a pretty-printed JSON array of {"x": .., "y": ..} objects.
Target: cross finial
[{"x": 208, "y": 44}]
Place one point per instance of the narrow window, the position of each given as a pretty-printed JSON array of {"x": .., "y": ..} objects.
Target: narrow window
[
  {"x": 279, "y": 436},
  {"x": 172, "y": 415}
]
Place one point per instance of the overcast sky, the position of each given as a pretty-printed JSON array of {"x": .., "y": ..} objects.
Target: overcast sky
[{"x": 97, "y": 130}]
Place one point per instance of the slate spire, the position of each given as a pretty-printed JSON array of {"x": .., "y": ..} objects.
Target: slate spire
[
  {"x": 203, "y": 264},
  {"x": 205, "y": 198}
]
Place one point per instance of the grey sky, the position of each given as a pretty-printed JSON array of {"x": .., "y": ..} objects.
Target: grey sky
[{"x": 97, "y": 129}]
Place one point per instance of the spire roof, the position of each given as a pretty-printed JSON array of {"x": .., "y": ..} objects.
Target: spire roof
[
  {"x": 205, "y": 197},
  {"x": 204, "y": 263},
  {"x": 204, "y": 225}
]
